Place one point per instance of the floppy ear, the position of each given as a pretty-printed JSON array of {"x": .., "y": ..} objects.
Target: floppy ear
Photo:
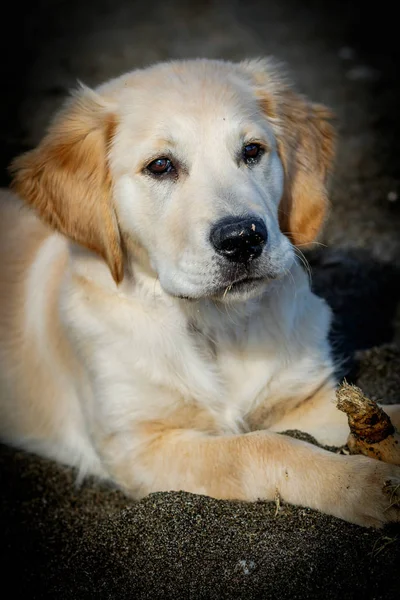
[
  {"x": 306, "y": 142},
  {"x": 306, "y": 146},
  {"x": 67, "y": 181}
]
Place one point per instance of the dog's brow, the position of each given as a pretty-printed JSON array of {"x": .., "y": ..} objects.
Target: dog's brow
[
  {"x": 164, "y": 142},
  {"x": 251, "y": 132}
]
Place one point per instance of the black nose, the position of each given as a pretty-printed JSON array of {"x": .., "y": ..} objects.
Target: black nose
[{"x": 239, "y": 239}]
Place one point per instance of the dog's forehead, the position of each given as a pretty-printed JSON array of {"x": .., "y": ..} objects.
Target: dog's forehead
[
  {"x": 202, "y": 91},
  {"x": 189, "y": 108}
]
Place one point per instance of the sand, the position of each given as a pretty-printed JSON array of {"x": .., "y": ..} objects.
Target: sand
[{"x": 63, "y": 542}]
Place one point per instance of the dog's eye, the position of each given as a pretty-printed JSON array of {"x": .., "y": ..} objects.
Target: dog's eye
[
  {"x": 160, "y": 166},
  {"x": 252, "y": 153}
]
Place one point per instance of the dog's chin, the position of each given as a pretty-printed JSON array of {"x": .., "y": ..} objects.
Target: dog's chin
[{"x": 240, "y": 291}]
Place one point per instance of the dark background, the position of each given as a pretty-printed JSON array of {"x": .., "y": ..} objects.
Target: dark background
[{"x": 68, "y": 543}]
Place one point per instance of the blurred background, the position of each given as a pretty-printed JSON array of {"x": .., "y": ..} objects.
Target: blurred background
[
  {"x": 342, "y": 54},
  {"x": 70, "y": 543}
]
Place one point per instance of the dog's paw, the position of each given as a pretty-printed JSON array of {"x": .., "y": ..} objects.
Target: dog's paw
[{"x": 371, "y": 495}]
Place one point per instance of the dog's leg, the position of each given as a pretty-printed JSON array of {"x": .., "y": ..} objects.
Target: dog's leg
[
  {"x": 251, "y": 466},
  {"x": 315, "y": 414},
  {"x": 319, "y": 416}
]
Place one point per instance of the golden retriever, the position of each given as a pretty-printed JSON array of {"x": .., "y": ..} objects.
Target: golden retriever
[{"x": 156, "y": 326}]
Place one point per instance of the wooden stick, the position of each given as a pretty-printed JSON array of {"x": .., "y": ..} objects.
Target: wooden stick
[{"x": 371, "y": 430}]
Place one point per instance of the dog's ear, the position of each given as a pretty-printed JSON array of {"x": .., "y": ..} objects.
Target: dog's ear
[
  {"x": 66, "y": 179},
  {"x": 306, "y": 145},
  {"x": 306, "y": 148}
]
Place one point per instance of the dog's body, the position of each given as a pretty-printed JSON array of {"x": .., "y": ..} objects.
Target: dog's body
[{"x": 166, "y": 332}]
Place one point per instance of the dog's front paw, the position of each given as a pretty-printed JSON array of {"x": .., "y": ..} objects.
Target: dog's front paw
[{"x": 371, "y": 495}]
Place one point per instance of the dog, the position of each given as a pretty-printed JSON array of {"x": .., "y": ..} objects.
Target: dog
[{"x": 157, "y": 327}]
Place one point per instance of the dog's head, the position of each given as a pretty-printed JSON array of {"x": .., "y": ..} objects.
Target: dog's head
[{"x": 205, "y": 172}]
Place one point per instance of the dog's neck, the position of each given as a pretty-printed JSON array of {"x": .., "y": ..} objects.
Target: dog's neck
[{"x": 280, "y": 302}]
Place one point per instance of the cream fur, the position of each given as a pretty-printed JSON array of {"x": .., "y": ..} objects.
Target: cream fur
[{"x": 124, "y": 351}]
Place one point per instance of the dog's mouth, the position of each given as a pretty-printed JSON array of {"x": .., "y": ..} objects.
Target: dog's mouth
[
  {"x": 244, "y": 286},
  {"x": 240, "y": 286}
]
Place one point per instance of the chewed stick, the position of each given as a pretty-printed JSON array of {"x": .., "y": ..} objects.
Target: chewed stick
[{"x": 371, "y": 430}]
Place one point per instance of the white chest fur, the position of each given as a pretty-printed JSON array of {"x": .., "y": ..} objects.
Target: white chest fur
[{"x": 152, "y": 351}]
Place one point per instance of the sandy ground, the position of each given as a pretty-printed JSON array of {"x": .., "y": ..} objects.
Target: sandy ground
[{"x": 64, "y": 542}]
